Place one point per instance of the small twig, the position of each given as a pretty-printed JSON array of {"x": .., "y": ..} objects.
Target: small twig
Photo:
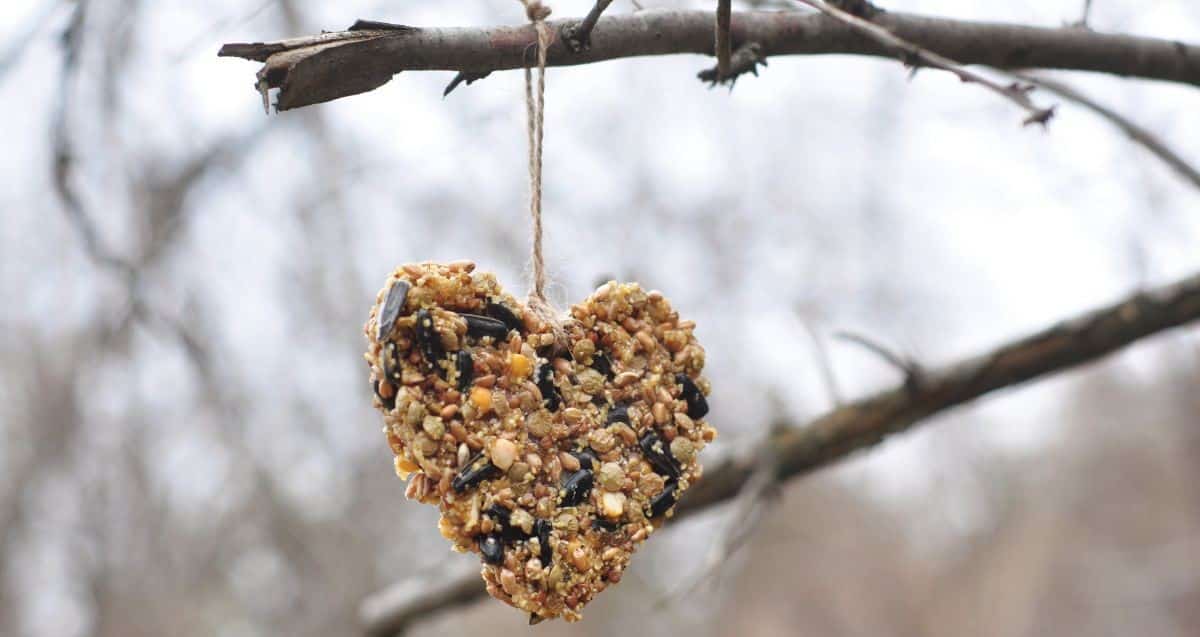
[
  {"x": 1137, "y": 133},
  {"x": 1087, "y": 14},
  {"x": 824, "y": 365},
  {"x": 915, "y": 56},
  {"x": 463, "y": 76},
  {"x": 910, "y": 368},
  {"x": 723, "y": 46},
  {"x": 578, "y": 37},
  {"x": 745, "y": 60}
]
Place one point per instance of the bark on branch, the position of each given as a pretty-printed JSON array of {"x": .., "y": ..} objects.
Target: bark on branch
[
  {"x": 864, "y": 423},
  {"x": 324, "y": 67}
]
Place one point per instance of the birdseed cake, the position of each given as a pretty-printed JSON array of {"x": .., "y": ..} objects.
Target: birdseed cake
[{"x": 551, "y": 450}]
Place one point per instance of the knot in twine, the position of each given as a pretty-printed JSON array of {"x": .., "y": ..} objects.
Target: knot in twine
[{"x": 535, "y": 105}]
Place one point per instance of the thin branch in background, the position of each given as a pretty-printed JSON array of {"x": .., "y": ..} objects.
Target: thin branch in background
[
  {"x": 222, "y": 25},
  {"x": 824, "y": 364},
  {"x": 724, "y": 48},
  {"x": 579, "y": 37},
  {"x": 1139, "y": 134},
  {"x": 1087, "y": 14},
  {"x": 741, "y": 521},
  {"x": 907, "y": 366},
  {"x": 916, "y": 57},
  {"x": 19, "y": 43},
  {"x": 64, "y": 154},
  {"x": 863, "y": 423}
]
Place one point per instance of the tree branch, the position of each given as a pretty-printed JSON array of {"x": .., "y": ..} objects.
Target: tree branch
[
  {"x": 916, "y": 57},
  {"x": 579, "y": 37},
  {"x": 1139, "y": 134},
  {"x": 324, "y": 67},
  {"x": 866, "y": 422}
]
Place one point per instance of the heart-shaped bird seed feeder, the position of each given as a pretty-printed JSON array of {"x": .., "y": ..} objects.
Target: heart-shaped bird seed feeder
[{"x": 552, "y": 449}]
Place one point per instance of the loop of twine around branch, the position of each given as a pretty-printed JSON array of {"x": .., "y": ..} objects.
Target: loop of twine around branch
[{"x": 535, "y": 118}]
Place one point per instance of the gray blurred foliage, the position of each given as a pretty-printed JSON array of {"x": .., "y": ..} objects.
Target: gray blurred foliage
[{"x": 187, "y": 445}]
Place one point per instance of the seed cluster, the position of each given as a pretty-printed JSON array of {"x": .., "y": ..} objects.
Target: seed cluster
[{"x": 552, "y": 461}]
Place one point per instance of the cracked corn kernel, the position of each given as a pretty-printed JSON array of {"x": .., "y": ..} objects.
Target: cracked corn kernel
[
  {"x": 404, "y": 467},
  {"x": 482, "y": 399},
  {"x": 519, "y": 366},
  {"x": 558, "y": 516}
]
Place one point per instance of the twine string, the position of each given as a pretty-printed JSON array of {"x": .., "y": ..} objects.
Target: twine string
[{"x": 535, "y": 118}]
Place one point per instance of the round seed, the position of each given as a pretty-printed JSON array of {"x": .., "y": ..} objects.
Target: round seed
[
  {"x": 591, "y": 381},
  {"x": 583, "y": 350},
  {"x": 537, "y": 424},
  {"x": 433, "y": 426},
  {"x": 683, "y": 449},
  {"x": 518, "y": 472},
  {"x": 602, "y": 440},
  {"x": 504, "y": 452},
  {"x": 611, "y": 477},
  {"x": 612, "y": 504}
]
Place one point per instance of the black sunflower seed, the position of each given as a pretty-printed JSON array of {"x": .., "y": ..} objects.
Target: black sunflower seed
[
  {"x": 492, "y": 548},
  {"x": 503, "y": 517},
  {"x": 587, "y": 458},
  {"x": 480, "y": 468},
  {"x": 481, "y": 326},
  {"x": 466, "y": 369},
  {"x": 663, "y": 502},
  {"x": 605, "y": 525},
  {"x": 602, "y": 363},
  {"x": 393, "y": 305},
  {"x": 619, "y": 413},
  {"x": 542, "y": 529},
  {"x": 499, "y": 513},
  {"x": 658, "y": 455},
  {"x": 545, "y": 384},
  {"x": 390, "y": 403},
  {"x": 535, "y": 619},
  {"x": 576, "y": 488},
  {"x": 697, "y": 405},
  {"x": 504, "y": 315},
  {"x": 428, "y": 339}
]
